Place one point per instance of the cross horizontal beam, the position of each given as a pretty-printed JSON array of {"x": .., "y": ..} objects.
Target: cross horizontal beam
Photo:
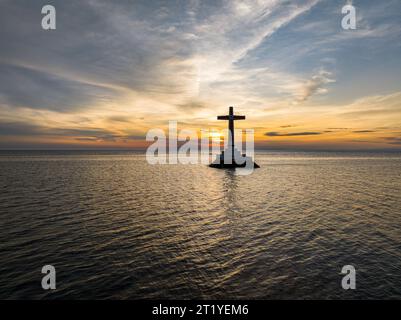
[{"x": 231, "y": 117}]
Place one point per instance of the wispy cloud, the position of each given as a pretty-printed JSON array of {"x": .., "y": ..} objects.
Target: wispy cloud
[
  {"x": 82, "y": 134},
  {"x": 378, "y": 106},
  {"x": 315, "y": 85},
  {"x": 291, "y": 134}
]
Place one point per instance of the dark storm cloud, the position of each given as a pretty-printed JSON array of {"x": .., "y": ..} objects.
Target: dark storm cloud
[{"x": 277, "y": 134}]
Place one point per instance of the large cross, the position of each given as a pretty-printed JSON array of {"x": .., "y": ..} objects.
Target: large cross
[{"x": 231, "y": 117}]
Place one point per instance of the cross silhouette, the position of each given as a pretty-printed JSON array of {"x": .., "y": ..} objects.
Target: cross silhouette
[{"x": 231, "y": 118}]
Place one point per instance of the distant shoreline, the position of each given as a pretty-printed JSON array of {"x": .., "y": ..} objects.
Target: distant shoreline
[{"x": 142, "y": 151}]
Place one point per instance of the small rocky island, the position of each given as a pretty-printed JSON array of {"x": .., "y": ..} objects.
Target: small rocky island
[{"x": 228, "y": 157}]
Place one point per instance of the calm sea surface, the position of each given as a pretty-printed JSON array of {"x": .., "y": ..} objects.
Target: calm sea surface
[{"x": 116, "y": 227}]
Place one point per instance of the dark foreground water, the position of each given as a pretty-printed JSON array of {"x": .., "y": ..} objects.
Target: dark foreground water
[{"x": 116, "y": 227}]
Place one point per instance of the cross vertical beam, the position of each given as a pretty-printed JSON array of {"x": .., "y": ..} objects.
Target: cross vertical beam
[{"x": 231, "y": 118}]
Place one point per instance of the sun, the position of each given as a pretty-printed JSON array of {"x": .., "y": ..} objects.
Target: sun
[{"x": 216, "y": 135}]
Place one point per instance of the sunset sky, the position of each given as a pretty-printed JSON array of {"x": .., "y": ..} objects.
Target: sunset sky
[{"x": 112, "y": 70}]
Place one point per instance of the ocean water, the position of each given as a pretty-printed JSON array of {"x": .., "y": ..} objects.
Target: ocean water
[{"x": 116, "y": 227}]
